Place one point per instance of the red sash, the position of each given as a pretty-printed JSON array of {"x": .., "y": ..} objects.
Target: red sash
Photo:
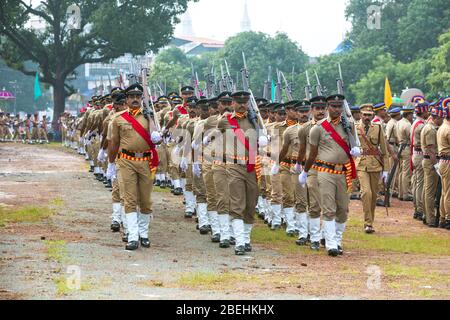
[
  {"x": 411, "y": 149},
  {"x": 376, "y": 120},
  {"x": 337, "y": 138},
  {"x": 144, "y": 135},
  {"x": 182, "y": 109},
  {"x": 242, "y": 139}
]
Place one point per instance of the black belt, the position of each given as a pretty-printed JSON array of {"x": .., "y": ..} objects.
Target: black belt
[
  {"x": 136, "y": 154},
  {"x": 417, "y": 149},
  {"x": 429, "y": 157},
  {"x": 444, "y": 157},
  {"x": 331, "y": 167}
]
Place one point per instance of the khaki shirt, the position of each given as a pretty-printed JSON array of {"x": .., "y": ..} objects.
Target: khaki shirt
[
  {"x": 373, "y": 140},
  {"x": 124, "y": 135},
  {"x": 404, "y": 131},
  {"x": 303, "y": 135},
  {"x": 391, "y": 131},
  {"x": 292, "y": 141},
  {"x": 329, "y": 150},
  {"x": 417, "y": 132},
  {"x": 233, "y": 147},
  {"x": 428, "y": 138},
  {"x": 443, "y": 139}
]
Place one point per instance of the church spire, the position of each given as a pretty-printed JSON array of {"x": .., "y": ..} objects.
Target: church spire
[{"x": 245, "y": 23}]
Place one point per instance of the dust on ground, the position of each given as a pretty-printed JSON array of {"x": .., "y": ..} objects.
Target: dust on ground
[{"x": 39, "y": 260}]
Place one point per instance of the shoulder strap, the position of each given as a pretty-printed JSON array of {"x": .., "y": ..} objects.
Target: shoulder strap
[
  {"x": 243, "y": 140},
  {"x": 144, "y": 135},
  {"x": 338, "y": 139}
]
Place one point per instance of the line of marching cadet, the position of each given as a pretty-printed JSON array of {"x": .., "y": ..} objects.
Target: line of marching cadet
[
  {"x": 298, "y": 177},
  {"x": 29, "y": 130}
]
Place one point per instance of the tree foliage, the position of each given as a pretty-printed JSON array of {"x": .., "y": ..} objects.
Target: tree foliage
[{"x": 109, "y": 28}]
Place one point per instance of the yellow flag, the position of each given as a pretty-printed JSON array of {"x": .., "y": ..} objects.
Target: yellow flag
[{"x": 387, "y": 94}]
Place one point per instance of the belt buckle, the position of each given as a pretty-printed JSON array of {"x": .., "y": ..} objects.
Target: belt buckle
[
  {"x": 138, "y": 155},
  {"x": 338, "y": 167}
]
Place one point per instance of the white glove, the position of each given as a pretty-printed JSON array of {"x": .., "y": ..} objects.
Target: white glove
[
  {"x": 384, "y": 176},
  {"x": 263, "y": 141},
  {"x": 156, "y": 137},
  {"x": 275, "y": 169},
  {"x": 436, "y": 167},
  {"x": 206, "y": 141},
  {"x": 101, "y": 155},
  {"x": 194, "y": 145},
  {"x": 196, "y": 169},
  {"x": 183, "y": 164},
  {"x": 87, "y": 143},
  {"x": 298, "y": 168},
  {"x": 86, "y": 136},
  {"x": 111, "y": 172},
  {"x": 355, "y": 152},
  {"x": 302, "y": 178},
  {"x": 176, "y": 149}
]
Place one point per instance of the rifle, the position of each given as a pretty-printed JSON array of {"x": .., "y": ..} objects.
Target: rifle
[
  {"x": 438, "y": 202},
  {"x": 278, "y": 90},
  {"x": 320, "y": 90},
  {"x": 287, "y": 88},
  {"x": 147, "y": 99},
  {"x": 194, "y": 81},
  {"x": 347, "y": 114},
  {"x": 254, "y": 114},
  {"x": 308, "y": 89},
  {"x": 267, "y": 86},
  {"x": 229, "y": 79},
  {"x": 391, "y": 177},
  {"x": 222, "y": 82}
]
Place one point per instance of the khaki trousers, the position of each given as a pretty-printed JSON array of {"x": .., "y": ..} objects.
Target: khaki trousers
[
  {"x": 301, "y": 194},
  {"x": 404, "y": 183},
  {"x": 221, "y": 186},
  {"x": 288, "y": 194},
  {"x": 313, "y": 195},
  {"x": 430, "y": 184},
  {"x": 135, "y": 185},
  {"x": 369, "y": 191},
  {"x": 198, "y": 186},
  {"x": 417, "y": 185},
  {"x": 243, "y": 191},
  {"x": 444, "y": 169},
  {"x": 208, "y": 178},
  {"x": 163, "y": 158},
  {"x": 277, "y": 189},
  {"x": 334, "y": 199}
]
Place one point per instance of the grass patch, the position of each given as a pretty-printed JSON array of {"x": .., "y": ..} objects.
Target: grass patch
[
  {"x": 63, "y": 289},
  {"x": 211, "y": 280},
  {"x": 57, "y": 202},
  {"x": 419, "y": 243},
  {"x": 25, "y": 214},
  {"x": 278, "y": 240},
  {"x": 151, "y": 283},
  {"x": 158, "y": 189},
  {"x": 56, "y": 250}
]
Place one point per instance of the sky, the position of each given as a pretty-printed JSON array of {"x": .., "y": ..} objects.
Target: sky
[{"x": 318, "y": 26}]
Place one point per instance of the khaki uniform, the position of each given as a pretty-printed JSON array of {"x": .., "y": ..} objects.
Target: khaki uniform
[
  {"x": 334, "y": 199},
  {"x": 135, "y": 176},
  {"x": 313, "y": 194},
  {"x": 417, "y": 157},
  {"x": 242, "y": 185},
  {"x": 373, "y": 161},
  {"x": 428, "y": 141},
  {"x": 404, "y": 183},
  {"x": 294, "y": 195},
  {"x": 392, "y": 139},
  {"x": 443, "y": 141},
  {"x": 35, "y": 129}
]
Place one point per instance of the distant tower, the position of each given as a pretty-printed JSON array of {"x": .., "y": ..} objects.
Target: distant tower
[
  {"x": 245, "y": 23},
  {"x": 186, "y": 25}
]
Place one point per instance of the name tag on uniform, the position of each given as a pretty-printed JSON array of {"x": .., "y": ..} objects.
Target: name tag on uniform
[{"x": 233, "y": 127}]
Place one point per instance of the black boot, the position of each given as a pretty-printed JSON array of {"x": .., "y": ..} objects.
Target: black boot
[
  {"x": 301, "y": 242},
  {"x": 248, "y": 247},
  {"x": 163, "y": 184},
  {"x": 115, "y": 226},
  {"x": 239, "y": 251},
  {"x": 157, "y": 183},
  {"x": 204, "y": 230},
  {"x": 333, "y": 252},
  {"x": 145, "y": 243},
  {"x": 178, "y": 191},
  {"x": 224, "y": 244},
  {"x": 132, "y": 245},
  {"x": 91, "y": 169},
  {"x": 215, "y": 238},
  {"x": 315, "y": 246}
]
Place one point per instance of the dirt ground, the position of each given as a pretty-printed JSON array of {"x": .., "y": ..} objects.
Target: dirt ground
[{"x": 68, "y": 230}]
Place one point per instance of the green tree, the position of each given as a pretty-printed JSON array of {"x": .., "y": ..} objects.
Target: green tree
[
  {"x": 370, "y": 88},
  {"x": 439, "y": 78},
  {"x": 106, "y": 33}
]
